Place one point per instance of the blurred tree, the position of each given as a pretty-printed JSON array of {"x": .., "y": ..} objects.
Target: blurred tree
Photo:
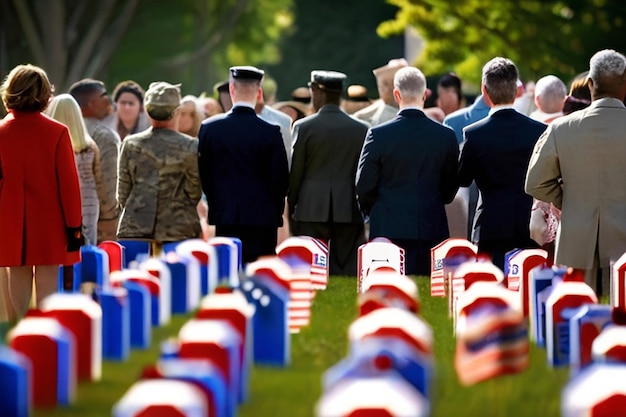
[
  {"x": 335, "y": 35},
  {"x": 145, "y": 40},
  {"x": 541, "y": 37}
]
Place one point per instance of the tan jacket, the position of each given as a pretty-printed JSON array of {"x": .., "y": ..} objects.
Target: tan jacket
[{"x": 586, "y": 150}]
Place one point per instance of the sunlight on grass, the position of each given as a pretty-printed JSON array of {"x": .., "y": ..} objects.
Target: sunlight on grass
[{"x": 294, "y": 390}]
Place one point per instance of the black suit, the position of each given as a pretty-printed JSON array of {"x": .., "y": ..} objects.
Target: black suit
[
  {"x": 407, "y": 173},
  {"x": 244, "y": 174},
  {"x": 322, "y": 198},
  {"x": 496, "y": 154}
]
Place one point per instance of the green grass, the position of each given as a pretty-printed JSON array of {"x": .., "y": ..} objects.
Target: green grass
[{"x": 294, "y": 390}]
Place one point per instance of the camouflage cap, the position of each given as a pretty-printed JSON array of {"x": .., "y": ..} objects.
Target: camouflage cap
[
  {"x": 162, "y": 94},
  {"x": 162, "y": 99}
]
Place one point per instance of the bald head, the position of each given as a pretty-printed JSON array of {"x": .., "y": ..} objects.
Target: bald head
[{"x": 550, "y": 94}]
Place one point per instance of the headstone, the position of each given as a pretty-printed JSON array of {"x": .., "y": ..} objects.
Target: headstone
[
  {"x": 228, "y": 252},
  {"x": 445, "y": 257},
  {"x": 467, "y": 274},
  {"x": 491, "y": 334},
  {"x": 387, "y": 396},
  {"x": 519, "y": 267},
  {"x": 50, "y": 348},
  {"x": 159, "y": 270},
  {"x": 270, "y": 323},
  {"x": 151, "y": 283},
  {"x": 311, "y": 251},
  {"x": 300, "y": 300},
  {"x": 162, "y": 398},
  {"x": 15, "y": 376},
  {"x": 540, "y": 282},
  {"x": 618, "y": 283},
  {"x": 388, "y": 289},
  {"x": 394, "y": 322},
  {"x": 565, "y": 298},
  {"x": 115, "y": 250},
  {"x": 378, "y": 254},
  {"x": 115, "y": 323},
  {"x": 140, "y": 306},
  {"x": 585, "y": 325},
  {"x": 591, "y": 392},
  {"x": 135, "y": 251},
  {"x": 81, "y": 315},
  {"x": 218, "y": 342},
  {"x": 185, "y": 275},
  {"x": 232, "y": 307},
  {"x": 610, "y": 345},
  {"x": 206, "y": 256}
]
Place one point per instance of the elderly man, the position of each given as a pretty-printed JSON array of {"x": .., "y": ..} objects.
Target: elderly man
[
  {"x": 385, "y": 108},
  {"x": 95, "y": 105},
  {"x": 550, "y": 94},
  {"x": 158, "y": 180},
  {"x": 577, "y": 165},
  {"x": 495, "y": 155},
  {"x": 407, "y": 172}
]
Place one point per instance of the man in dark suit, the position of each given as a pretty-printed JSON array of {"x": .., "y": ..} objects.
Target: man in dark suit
[
  {"x": 407, "y": 172},
  {"x": 322, "y": 199},
  {"x": 495, "y": 154},
  {"x": 243, "y": 169}
]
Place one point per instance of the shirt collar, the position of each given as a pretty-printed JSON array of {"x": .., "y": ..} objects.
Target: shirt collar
[{"x": 500, "y": 107}]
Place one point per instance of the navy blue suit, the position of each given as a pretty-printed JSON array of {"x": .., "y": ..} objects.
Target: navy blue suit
[
  {"x": 407, "y": 172},
  {"x": 244, "y": 174},
  {"x": 495, "y": 154}
]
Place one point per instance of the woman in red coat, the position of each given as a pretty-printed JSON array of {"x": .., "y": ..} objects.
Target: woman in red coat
[{"x": 40, "y": 205}]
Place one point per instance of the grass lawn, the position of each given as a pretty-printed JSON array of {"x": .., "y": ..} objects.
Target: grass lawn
[{"x": 293, "y": 391}]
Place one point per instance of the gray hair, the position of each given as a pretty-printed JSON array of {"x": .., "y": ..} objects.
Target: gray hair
[
  {"x": 411, "y": 83},
  {"x": 500, "y": 77},
  {"x": 606, "y": 70},
  {"x": 550, "y": 92},
  {"x": 606, "y": 63}
]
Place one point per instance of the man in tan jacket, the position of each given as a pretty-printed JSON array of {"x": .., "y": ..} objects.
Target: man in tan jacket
[{"x": 578, "y": 166}]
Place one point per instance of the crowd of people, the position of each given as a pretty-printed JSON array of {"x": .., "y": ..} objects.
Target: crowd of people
[{"x": 522, "y": 166}]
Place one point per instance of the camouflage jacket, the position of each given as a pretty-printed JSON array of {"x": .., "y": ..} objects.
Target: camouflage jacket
[
  {"x": 109, "y": 146},
  {"x": 159, "y": 186}
]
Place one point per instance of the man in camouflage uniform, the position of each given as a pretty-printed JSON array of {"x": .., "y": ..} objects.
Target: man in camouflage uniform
[
  {"x": 95, "y": 104},
  {"x": 158, "y": 180}
]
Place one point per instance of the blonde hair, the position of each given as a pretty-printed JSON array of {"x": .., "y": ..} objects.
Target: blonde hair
[
  {"x": 26, "y": 89},
  {"x": 65, "y": 109}
]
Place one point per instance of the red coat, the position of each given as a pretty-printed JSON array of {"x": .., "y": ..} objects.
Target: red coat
[{"x": 39, "y": 191}]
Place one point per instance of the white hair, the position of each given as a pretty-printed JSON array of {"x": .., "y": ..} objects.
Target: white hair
[
  {"x": 606, "y": 63},
  {"x": 411, "y": 82},
  {"x": 550, "y": 93}
]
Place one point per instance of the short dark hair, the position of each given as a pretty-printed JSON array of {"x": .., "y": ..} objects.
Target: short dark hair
[
  {"x": 500, "y": 77},
  {"x": 26, "y": 89},
  {"x": 83, "y": 89},
  {"x": 451, "y": 80}
]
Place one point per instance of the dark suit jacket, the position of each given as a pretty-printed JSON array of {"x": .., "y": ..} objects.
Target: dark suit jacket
[
  {"x": 496, "y": 155},
  {"x": 326, "y": 148},
  {"x": 243, "y": 169},
  {"x": 407, "y": 172}
]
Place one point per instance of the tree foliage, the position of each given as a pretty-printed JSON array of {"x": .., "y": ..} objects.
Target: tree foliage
[
  {"x": 541, "y": 37},
  {"x": 335, "y": 35},
  {"x": 189, "y": 41}
]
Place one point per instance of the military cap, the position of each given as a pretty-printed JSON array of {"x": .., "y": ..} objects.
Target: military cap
[
  {"x": 301, "y": 94},
  {"x": 163, "y": 96},
  {"x": 221, "y": 87},
  {"x": 331, "y": 81},
  {"x": 357, "y": 92},
  {"x": 390, "y": 69},
  {"x": 246, "y": 73}
]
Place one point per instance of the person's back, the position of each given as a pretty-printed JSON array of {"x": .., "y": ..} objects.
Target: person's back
[
  {"x": 159, "y": 184},
  {"x": 577, "y": 166},
  {"x": 407, "y": 172},
  {"x": 495, "y": 155},
  {"x": 244, "y": 169},
  {"x": 94, "y": 101},
  {"x": 322, "y": 198}
]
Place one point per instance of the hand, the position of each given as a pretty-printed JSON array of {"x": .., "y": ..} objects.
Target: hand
[{"x": 75, "y": 238}]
